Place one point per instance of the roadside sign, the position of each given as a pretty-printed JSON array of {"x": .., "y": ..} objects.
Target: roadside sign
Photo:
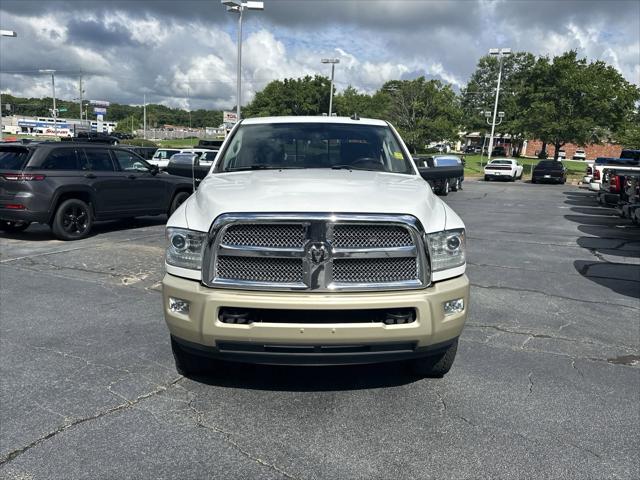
[
  {"x": 99, "y": 111},
  {"x": 62, "y": 109},
  {"x": 99, "y": 103},
  {"x": 100, "y": 118},
  {"x": 229, "y": 117}
]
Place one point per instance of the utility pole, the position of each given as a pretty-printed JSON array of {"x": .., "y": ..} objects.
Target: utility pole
[
  {"x": 333, "y": 62},
  {"x": 501, "y": 53},
  {"x": 239, "y": 6},
  {"x": 189, "y": 106},
  {"x": 144, "y": 116},
  {"x": 4, "y": 33},
  {"x": 80, "y": 92}
]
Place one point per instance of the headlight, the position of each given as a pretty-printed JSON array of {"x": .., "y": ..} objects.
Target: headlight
[
  {"x": 447, "y": 249},
  {"x": 185, "y": 248}
]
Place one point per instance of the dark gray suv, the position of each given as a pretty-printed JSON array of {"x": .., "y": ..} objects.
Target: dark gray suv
[{"x": 68, "y": 186}]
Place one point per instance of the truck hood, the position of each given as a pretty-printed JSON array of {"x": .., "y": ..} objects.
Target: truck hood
[{"x": 314, "y": 191}]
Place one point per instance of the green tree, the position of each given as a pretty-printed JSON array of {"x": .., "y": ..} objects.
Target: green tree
[
  {"x": 422, "y": 110},
  {"x": 479, "y": 94},
  {"x": 629, "y": 135},
  {"x": 350, "y": 102},
  {"x": 291, "y": 96},
  {"x": 572, "y": 101}
]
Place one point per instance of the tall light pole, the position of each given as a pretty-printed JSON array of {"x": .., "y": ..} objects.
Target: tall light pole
[
  {"x": 4, "y": 33},
  {"x": 239, "y": 6},
  {"x": 144, "y": 117},
  {"x": 500, "y": 53},
  {"x": 333, "y": 62},
  {"x": 54, "y": 112}
]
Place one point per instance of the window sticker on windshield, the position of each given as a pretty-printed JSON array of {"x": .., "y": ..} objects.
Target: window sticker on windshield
[{"x": 398, "y": 155}]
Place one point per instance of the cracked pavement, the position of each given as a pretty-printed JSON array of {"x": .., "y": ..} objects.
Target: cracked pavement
[{"x": 545, "y": 384}]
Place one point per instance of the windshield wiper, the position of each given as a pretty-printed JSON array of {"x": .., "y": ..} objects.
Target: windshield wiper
[
  {"x": 261, "y": 167},
  {"x": 351, "y": 167}
]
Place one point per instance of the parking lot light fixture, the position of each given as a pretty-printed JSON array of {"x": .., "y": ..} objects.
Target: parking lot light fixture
[
  {"x": 4, "y": 33},
  {"x": 54, "y": 111},
  {"x": 500, "y": 53},
  {"x": 239, "y": 6},
  {"x": 333, "y": 62}
]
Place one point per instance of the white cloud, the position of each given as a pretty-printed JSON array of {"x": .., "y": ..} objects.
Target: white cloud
[{"x": 160, "y": 48}]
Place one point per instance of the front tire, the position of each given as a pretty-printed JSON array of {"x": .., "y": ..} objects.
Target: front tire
[
  {"x": 444, "y": 190},
  {"x": 456, "y": 185},
  {"x": 178, "y": 199},
  {"x": 73, "y": 220},
  {"x": 435, "y": 366},
  {"x": 14, "y": 226},
  {"x": 486, "y": 178}
]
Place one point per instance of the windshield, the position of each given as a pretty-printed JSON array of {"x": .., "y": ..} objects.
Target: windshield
[
  {"x": 500, "y": 162},
  {"x": 12, "y": 158},
  {"x": 314, "y": 145}
]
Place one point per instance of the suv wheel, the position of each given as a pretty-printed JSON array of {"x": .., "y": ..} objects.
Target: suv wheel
[
  {"x": 73, "y": 220},
  {"x": 14, "y": 225},
  {"x": 188, "y": 364},
  {"x": 436, "y": 366},
  {"x": 178, "y": 199},
  {"x": 444, "y": 190}
]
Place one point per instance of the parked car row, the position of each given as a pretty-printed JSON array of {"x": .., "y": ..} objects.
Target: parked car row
[
  {"x": 620, "y": 189},
  {"x": 616, "y": 183},
  {"x": 594, "y": 173}
]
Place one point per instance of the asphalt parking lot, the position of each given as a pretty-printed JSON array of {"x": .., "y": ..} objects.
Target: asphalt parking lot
[{"x": 545, "y": 385}]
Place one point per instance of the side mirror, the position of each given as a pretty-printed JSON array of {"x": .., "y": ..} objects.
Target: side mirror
[{"x": 154, "y": 169}]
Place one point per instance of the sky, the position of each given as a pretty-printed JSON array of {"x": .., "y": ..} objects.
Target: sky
[{"x": 183, "y": 53}]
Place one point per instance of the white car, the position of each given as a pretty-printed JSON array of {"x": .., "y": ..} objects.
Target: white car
[
  {"x": 315, "y": 240},
  {"x": 579, "y": 155},
  {"x": 503, "y": 168}
]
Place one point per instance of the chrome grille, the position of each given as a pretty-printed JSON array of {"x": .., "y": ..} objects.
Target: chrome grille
[
  {"x": 276, "y": 235},
  {"x": 375, "y": 270},
  {"x": 372, "y": 236},
  {"x": 260, "y": 269},
  {"x": 316, "y": 252}
]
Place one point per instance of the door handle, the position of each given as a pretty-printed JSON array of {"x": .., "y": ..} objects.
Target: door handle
[
  {"x": 132, "y": 177},
  {"x": 89, "y": 175}
]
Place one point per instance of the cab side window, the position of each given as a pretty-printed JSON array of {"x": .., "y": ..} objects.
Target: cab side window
[
  {"x": 99, "y": 159},
  {"x": 129, "y": 162},
  {"x": 63, "y": 159}
]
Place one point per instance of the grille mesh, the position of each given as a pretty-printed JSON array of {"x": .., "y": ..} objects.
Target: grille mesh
[
  {"x": 276, "y": 235},
  {"x": 375, "y": 270},
  {"x": 276, "y": 270},
  {"x": 372, "y": 236}
]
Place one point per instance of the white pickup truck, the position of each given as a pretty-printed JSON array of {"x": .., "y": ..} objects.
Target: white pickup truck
[
  {"x": 602, "y": 164},
  {"x": 314, "y": 240}
]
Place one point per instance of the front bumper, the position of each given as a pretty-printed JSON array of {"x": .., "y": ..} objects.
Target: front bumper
[
  {"x": 200, "y": 330},
  {"x": 594, "y": 187}
]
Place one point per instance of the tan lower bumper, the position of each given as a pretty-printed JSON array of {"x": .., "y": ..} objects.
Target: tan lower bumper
[{"x": 201, "y": 325}]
